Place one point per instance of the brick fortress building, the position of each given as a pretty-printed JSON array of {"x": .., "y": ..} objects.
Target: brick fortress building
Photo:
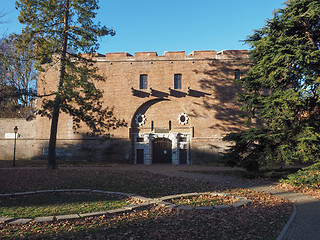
[{"x": 178, "y": 107}]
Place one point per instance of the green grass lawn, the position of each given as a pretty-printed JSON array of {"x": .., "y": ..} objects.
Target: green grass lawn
[{"x": 49, "y": 204}]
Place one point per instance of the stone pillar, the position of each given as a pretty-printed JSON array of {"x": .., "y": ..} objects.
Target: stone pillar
[
  {"x": 146, "y": 145},
  {"x": 148, "y": 149},
  {"x": 175, "y": 148}
]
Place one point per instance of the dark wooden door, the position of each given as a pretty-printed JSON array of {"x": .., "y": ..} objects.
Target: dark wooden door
[
  {"x": 161, "y": 150},
  {"x": 183, "y": 156},
  {"x": 140, "y": 156}
]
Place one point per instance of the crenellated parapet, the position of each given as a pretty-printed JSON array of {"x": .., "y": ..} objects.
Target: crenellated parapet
[{"x": 175, "y": 55}]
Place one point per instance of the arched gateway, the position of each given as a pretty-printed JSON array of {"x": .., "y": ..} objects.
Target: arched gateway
[
  {"x": 155, "y": 148},
  {"x": 160, "y": 134}
]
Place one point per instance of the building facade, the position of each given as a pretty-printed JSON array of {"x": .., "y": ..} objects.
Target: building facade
[{"x": 178, "y": 107}]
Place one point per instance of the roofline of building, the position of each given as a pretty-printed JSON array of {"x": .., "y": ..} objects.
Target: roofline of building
[{"x": 174, "y": 55}]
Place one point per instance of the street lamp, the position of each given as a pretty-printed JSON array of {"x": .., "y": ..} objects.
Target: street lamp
[{"x": 14, "y": 148}]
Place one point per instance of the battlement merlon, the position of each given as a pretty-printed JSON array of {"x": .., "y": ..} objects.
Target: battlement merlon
[{"x": 174, "y": 55}]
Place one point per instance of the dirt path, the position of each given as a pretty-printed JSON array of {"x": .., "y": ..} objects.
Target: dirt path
[{"x": 197, "y": 173}]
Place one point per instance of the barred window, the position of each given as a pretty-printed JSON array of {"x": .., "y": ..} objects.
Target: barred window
[
  {"x": 143, "y": 81},
  {"x": 177, "y": 81}
]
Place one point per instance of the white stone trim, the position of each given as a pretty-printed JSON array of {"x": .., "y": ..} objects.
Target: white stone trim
[
  {"x": 186, "y": 118},
  {"x": 146, "y": 145},
  {"x": 143, "y": 119}
]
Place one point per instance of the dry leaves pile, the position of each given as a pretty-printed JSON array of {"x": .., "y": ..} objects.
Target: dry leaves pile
[
  {"x": 312, "y": 192},
  {"x": 139, "y": 182},
  {"x": 263, "y": 218},
  {"x": 207, "y": 200}
]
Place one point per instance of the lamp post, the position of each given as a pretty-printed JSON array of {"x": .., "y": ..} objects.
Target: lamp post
[{"x": 14, "y": 148}]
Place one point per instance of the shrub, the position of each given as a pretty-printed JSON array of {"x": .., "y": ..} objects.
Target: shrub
[{"x": 308, "y": 177}]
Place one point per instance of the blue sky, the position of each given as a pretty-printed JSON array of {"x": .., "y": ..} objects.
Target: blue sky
[{"x": 172, "y": 25}]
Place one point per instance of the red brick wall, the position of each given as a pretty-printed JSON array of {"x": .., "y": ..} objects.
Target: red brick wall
[{"x": 210, "y": 105}]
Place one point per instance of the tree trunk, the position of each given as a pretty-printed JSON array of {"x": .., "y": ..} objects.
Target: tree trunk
[
  {"x": 53, "y": 134},
  {"x": 52, "y": 163}
]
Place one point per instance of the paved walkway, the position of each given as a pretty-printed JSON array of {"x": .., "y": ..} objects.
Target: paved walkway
[{"x": 305, "y": 225}]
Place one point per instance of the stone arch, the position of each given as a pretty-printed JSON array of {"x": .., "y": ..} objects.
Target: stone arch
[
  {"x": 149, "y": 105},
  {"x": 143, "y": 108},
  {"x": 164, "y": 115}
]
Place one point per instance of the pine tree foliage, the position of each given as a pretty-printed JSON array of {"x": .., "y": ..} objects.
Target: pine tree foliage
[
  {"x": 62, "y": 31},
  {"x": 282, "y": 89}
]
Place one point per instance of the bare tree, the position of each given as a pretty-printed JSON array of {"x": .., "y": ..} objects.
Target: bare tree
[{"x": 18, "y": 81}]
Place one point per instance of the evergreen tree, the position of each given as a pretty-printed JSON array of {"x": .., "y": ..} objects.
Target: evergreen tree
[
  {"x": 282, "y": 89},
  {"x": 61, "y": 31}
]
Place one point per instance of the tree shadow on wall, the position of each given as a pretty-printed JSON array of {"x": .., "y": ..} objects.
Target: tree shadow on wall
[
  {"x": 89, "y": 149},
  {"x": 113, "y": 151},
  {"x": 218, "y": 78}
]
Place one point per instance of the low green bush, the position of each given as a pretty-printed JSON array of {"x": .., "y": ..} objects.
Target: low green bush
[{"x": 308, "y": 177}]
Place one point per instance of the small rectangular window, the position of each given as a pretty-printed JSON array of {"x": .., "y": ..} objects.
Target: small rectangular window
[
  {"x": 177, "y": 81},
  {"x": 143, "y": 81},
  {"x": 182, "y": 139},
  {"x": 140, "y": 139}
]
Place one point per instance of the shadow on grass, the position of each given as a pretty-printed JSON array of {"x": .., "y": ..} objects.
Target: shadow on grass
[
  {"x": 135, "y": 181},
  {"x": 61, "y": 163},
  {"x": 267, "y": 174},
  {"x": 47, "y": 204},
  {"x": 47, "y": 199}
]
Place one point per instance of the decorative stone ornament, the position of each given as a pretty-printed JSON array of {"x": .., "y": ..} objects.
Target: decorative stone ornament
[
  {"x": 183, "y": 118},
  {"x": 140, "y": 119}
]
